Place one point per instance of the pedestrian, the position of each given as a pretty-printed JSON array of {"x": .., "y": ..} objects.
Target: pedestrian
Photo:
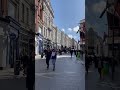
[
  {"x": 113, "y": 67},
  {"x": 86, "y": 63},
  {"x": 42, "y": 54},
  {"x": 78, "y": 55},
  {"x": 95, "y": 62},
  {"x": 30, "y": 79},
  {"x": 48, "y": 56},
  {"x": 53, "y": 57},
  {"x": 71, "y": 52},
  {"x": 100, "y": 67},
  {"x": 75, "y": 52}
]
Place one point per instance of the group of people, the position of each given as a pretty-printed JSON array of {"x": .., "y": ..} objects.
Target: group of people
[
  {"x": 77, "y": 53},
  {"x": 50, "y": 54},
  {"x": 103, "y": 64}
]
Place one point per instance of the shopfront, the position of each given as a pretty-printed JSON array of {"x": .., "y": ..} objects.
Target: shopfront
[{"x": 9, "y": 38}]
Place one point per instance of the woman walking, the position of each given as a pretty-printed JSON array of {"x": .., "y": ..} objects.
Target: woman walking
[{"x": 53, "y": 57}]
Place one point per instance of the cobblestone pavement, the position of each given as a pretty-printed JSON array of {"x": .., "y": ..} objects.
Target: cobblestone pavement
[{"x": 69, "y": 74}]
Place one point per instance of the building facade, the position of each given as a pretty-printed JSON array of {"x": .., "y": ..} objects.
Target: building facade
[
  {"x": 94, "y": 43},
  {"x": 48, "y": 16},
  {"x": 17, "y": 30},
  {"x": 38, "y": 26},
  {"x": 113, "y": 39},
  {"x": 62, "y": 39},
  {"x": 58, "y": 39},
  {"x": 82, "y": 33},
  {"x": 54, "y": 36}
]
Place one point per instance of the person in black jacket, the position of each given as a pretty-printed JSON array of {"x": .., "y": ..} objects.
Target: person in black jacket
[
  {"x": 71, "y": 52},
  {"x": 87, "y": 62},
  {"x": 48, "y": 56}
]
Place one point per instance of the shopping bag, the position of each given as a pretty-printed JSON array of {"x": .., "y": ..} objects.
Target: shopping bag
[{"x": 78, "y": 56}]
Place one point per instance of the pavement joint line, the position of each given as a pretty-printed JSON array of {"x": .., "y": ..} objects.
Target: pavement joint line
[
  {"x": 59, "y": 78},
  {"x": 49, "y": 73}
]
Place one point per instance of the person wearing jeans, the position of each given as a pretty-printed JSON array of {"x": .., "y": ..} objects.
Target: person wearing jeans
[{"x": 53, "y": 57}]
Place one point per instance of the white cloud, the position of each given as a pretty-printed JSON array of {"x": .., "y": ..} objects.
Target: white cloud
[
  {"x": 70, "y": 29},
  {"x": 63, "y": 30},
  {"x": 70, "y": 36},
  {"x": 75, "y": 29},
  {"x": 99, "y": 7}
]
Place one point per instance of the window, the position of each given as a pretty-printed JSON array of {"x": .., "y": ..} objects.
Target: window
[
  {"x": 46, "y": 20},
  {"x": 41, "y": 12},
  {"x": 49, "y": 20},
  {"x": 49, "y": 33},
  {"x": 0, "y": 6},
  {"x": 38, "y": 11},
  {"x": 40, "y": 30},
  {"x": 27, "y": 16},
  {"x": 23, "y": 12},
  {"x": 44, "y": 31},
  {"x": 12, "y": 10}
]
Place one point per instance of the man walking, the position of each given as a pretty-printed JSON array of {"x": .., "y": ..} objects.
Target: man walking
[
  {"x": 48, "y": 56},
  {"x": 71, "y": 52}
]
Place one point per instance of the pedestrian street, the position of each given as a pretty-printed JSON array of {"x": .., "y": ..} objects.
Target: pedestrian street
[{"x": 68, "y": 75}]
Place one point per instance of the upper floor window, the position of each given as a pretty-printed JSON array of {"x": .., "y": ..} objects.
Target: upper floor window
[
  {"x": 0, "y": 7},
  {"x": 27, "y": 17},
  {"x": 23, "y": 11},
  {"x": 12, "y": 10}
]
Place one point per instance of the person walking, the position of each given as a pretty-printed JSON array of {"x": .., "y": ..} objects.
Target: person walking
[
  {"x": 48, "y": 56},
  {"x": 95, "y": 62},
  {"x": 78, "y": 55},
  {"x": 53, "y": 57},
  {"x": 100, "y": 66},
  {"x": 86, "y": 63},
  {"x": 71, "y": 52}
]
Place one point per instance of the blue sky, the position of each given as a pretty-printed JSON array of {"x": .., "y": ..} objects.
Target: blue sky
[{"x": 68, "y": 14}]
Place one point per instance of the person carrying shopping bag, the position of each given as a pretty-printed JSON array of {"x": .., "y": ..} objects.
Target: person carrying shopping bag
[{"x": 53, "y": 57}]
